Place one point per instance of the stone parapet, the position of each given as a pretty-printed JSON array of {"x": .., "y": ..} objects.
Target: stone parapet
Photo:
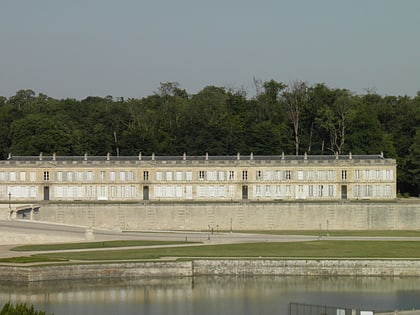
[{"x": 203, "y": 267}]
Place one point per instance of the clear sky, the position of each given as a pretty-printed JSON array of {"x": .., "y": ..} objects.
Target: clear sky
[{"x": 79, "y": 48}]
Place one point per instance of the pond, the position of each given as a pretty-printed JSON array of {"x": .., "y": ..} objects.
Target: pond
[{"x": 213, "y": 295}]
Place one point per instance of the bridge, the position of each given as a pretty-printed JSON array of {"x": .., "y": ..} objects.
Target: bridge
[{"x": 19, "y": 211}]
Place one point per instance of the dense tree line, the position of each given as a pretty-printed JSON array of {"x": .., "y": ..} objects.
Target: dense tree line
[{"x": 293, "y": 118}]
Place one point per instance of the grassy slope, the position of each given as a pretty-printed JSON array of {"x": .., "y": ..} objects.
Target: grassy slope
[{"x": 315, "y": 249}]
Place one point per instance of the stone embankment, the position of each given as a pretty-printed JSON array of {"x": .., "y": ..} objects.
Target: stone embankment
[{"x": 201, "y": 267}]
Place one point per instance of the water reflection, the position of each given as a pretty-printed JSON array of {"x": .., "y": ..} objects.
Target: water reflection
[{"x": 213, "y": 295}]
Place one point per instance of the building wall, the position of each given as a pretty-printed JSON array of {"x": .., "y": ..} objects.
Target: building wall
[
  {"x": 238, "y": 216},
  {"x": 264, "y": 179}
]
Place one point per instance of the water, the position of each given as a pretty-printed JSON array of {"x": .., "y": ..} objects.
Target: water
[{"x": 213, "y": 295}]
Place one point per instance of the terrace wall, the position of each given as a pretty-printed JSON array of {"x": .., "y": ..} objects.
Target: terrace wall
[{"x": 395, "y": 215}]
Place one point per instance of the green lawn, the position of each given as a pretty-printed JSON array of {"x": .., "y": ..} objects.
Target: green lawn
[
  {"x": 88, "y": 245},
  {"x": 323, "y": 232},
  {"x": 315, "y": 249}
]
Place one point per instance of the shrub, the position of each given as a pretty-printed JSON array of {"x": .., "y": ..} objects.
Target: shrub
[{"x": 20, "y": 309}]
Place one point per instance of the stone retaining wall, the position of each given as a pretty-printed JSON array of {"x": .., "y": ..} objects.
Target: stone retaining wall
[
  {"x": 362, "y": 268},
  {"x": 96, "y": 271},
  {"x": 395, "y": 215},
  {"x": 385, "y": 268}
]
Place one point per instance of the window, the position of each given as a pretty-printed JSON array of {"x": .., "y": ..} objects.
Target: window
[
  {"x": 268, "y": 190},
  {"x": 268, "y": 175},
  {"x": 331, "y": 190},
  {"x": 201, "y": 191},
  {"x": 387, "y": 191},
  {"x": 221, "y": 191},
  {"x": 22, "y": 176},
  {"x": 288, "y": 175},
  {"x": 188, "y": 176},
  {"x": 321, "y": 190},
  {"x": 231, "y": 175},
  {"x": 102, "y": 175},
  {"x": 46, "y": 175},
  {"x": 331, "y": 175},
  {"x": 358, "y": 174},
  {"x": 158, "y": 175},
  {"x": 112, "y": 176},
  {"x": 300, "y": 175},
  {"x": 201, "y": 175},
  {"x": 122, "y": 176},
  {"x": 130, "y": 175},
  {"x": 356, "y": 191},
  {"x": 32, "y": 176},
  {"x": 311, "y": 190},
  {"x": 231, "y": 191},
  {"x": 344, "y": 174},
  {"x": 211, "y": 191},
  {"x": 244, "y": 175},
  {"x": 145, "y": 175},
  {"x": 12, "y": 176},
  {"x": 378, "y": 190},
  {"x": 258, "y": 190},
  {"x": 258, "y": 175},
  {"x": 59, "y": 176},
  {"x": 168, "y": 175},
  {"x": 221, "y": 175},
  {"x": 89, "y": 176},
  {"x": 368, "y": 191},
  {"x": 211, "y": 175},
  {"x": 178, "y": 176}
]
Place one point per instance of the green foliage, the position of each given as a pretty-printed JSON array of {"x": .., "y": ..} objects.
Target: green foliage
[
  {"x": 19, "y": 309},
  {"x": 290, "y": 118}
]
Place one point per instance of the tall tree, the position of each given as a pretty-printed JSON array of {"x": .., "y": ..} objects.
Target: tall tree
[
  {"x": 336, "y": 119},
  {"x": 295, "y": 98}
]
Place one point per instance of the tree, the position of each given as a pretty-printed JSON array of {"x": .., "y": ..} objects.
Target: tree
[
  {"x": 37, "y": 133},
  {"x": 336, "y": 119},
  {"x": 294, "y": 98}
]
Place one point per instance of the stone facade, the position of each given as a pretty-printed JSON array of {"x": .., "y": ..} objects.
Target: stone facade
[
  {"x": 203, "y": 178},
  {"x": 303, "y": 215},
  {"x": 213, "y": 267}
]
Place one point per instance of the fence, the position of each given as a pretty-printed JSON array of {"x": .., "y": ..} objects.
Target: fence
[{"x": 310, "y": 309}]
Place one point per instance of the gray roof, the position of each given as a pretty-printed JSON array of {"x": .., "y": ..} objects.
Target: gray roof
[{"x": 193, "y": 158}]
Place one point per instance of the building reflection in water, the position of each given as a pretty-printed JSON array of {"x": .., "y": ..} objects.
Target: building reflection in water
[{"x": 210, "y": 295}]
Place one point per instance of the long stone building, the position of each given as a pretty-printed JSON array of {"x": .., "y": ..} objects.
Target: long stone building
[{"x": 197, "y": 178}]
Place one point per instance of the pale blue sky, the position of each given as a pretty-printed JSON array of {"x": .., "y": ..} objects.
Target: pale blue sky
[{"x": 78, "y": 48}]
